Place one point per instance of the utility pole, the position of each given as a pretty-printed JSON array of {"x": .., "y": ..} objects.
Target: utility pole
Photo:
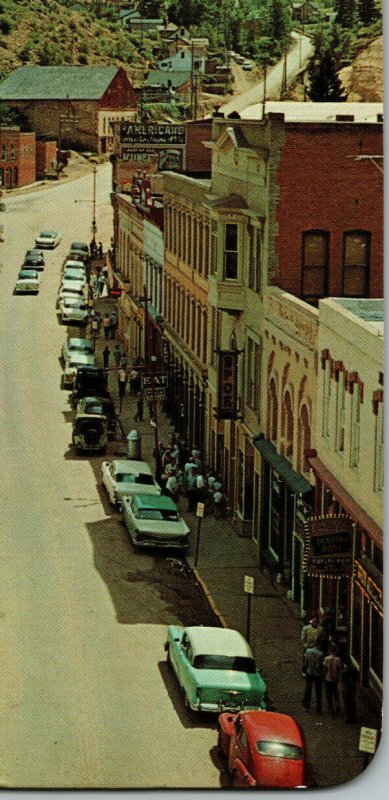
[
  {"x": 191, "y": 79},
  {"x": 264, "y": 89},
  {"x": 94, "y": 226},
  {"x": 150, "y": 360},
  {"x": 284, "y": 84}
]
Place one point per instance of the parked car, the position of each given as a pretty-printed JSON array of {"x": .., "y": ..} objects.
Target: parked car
[
  {"x": 72, "y": 364},
  {"x": 239, "y": 59},
  {"x": 90, "y": 381},
  {"x": 34, "y": 258},
  {"x": 247, "y": 66},
  {"x": 48, "y": 239},
  {"x": 127, "y": 477},
  {"x": 72, "y": 274},
  {"x": 71, "y": 263},
  {"x": 28, "y": 272},
  {"x": 153, "y": 520},
  {"x": 74, "y": 289},
  {"x": 76, "y": 345},
  {"x": 215, "y": 668},
  {"x": 90, "y": 433},
  {"x": 99, "y": 405},
  {"x": 79, "y": 247},
  {"x": 73, "y": 310},
  {"x": 27, "y": 285},
  {"x": 263, "y": 749}
]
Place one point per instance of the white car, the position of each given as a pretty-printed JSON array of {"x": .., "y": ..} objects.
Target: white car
[
  {"x": 72, "y": 364},
  {"x": 127, "y": 477},
  {"x": 74, "y": 346},
  {"x": 73, "y": 310},
  {"x": 70, "y": 263},
  {"x": 153, "y": 520},
  {"x": 48, "y": 239},
  {"x": 74, "y": 289},
  {"x": 27, "y": 285},
  {"x": 72, "y": 274},
  {"x": 247, "y": 66}
]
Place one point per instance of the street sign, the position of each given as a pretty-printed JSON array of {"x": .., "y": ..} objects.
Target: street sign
[
  {"x": 249, "y": 584},
  {"x": 368, "y": 740},
  {"x": 158, "y": 380},
  {"x": 200, "y": 510}
]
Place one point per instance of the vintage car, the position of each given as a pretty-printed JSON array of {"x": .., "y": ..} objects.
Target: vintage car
[
  {"x": 153, "y": 521},
  {"x": 90, "y": 381},
  {"x": 72, "y": 364},
  {"x": 75, "y": 345},
  {"x": 100, "y": 405},
  {"x": 71, "y": 263},
  {"x": 48, "y": 239},
  {"x": 90, "y": 433},
  {"x": 127, "y": 477},
  {"x": 73, "y": 310},
  {"x": 34, "y": 258},
  {"x": 215, "y": 668},
  {"x": 263, "y": 749},
  {"x": 75, "y": 289},
  {"x": 73, "y": 274},
  {"x": 27, "y": 285}
]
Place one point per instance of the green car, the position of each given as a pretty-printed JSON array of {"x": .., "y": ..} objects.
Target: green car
[{"x": 215, "y": 668}]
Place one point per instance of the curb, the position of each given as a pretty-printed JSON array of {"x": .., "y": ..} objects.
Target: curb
[{"x": 210, "y": 599}]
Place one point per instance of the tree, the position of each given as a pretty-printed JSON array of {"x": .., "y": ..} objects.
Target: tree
[
  {"x": 346, "y": 13},
  {"x": 368, "y": 11},
  {"x": 149, "y": 9},
  {"x": 324, "y": 84},
  {"x": 187, "y": 12}
]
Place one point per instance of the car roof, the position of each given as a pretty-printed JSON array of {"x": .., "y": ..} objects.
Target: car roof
[
  {"x": 48, "y": 233},
  {"x": 271, "y": 725},
  {"x": 218, "y": 641},
  {"x": 75, "y": 341},
  {"x": 97, "y": 401},
  {"x": 81, "y": 358},
  {"x": 80, "y": 245},
  {"x": 128, "y": 465},
  {"x": 157, "y": 501}
]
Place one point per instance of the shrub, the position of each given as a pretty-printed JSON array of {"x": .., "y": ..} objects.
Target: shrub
[{"x": 6, "y": 24}]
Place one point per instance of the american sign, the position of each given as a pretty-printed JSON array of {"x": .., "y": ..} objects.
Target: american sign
[
  {"x": 328, "y": 546},
  {"x": 227, "y": 385},
  {"x": 151, "y": 133}
]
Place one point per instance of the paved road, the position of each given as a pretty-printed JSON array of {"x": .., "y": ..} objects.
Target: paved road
[
  {"x": 87, "y": 700},
  {"x": 250, "y": 102}
]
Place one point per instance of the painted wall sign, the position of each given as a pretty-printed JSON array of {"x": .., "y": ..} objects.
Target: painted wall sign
[{"x": 151, "y": 133}]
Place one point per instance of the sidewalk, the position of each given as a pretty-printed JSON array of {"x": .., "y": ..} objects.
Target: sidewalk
[{"x": 224, "y": 559}]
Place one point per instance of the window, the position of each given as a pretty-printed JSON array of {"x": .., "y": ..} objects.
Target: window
[
  {"x": 201, "y": 246},
  {"x": 193, "y": 328},
  {"x": 213, "y": 336},
  {"x": 287, "y": 426},
  {"x": 355, "y": 427},
  {"x": 187, "y": 318},
  {"x": 315, "y": 264},
  {"x": 340, "y": 403},
  {"x": 326, "y": 400},
  {"x": 231, "y": 251},
  {"x": 205, "y": 336},
  {"x": 206, "y": 249},
  {"x": 379, "y": 449},
  {"x": 195, "y": 254},
  {"x": 214, "y": 248},
  {"x": 3, "y": 151},
  {"x": 255, "y": 258},
  {"x": 189, "y": 240},
  {"x": 182, "y": 331},
  {"x": 13, "y": 152},
  {"x": 356, "y": 264},
  {"x": 184, "y": 236},
  {"x": 198, "y": 331}
]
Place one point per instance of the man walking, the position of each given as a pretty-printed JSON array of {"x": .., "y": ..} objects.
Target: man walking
[
  {"x": 122, "y": 382},
  {"x": 331, "y": 671},
  {"x": 106, "y": 325},
  {"x": 139, "y": 408},
  {"x": 106, "y": 355},
  {"x": 309, "y": 636},
  {"x": 314, "y": 657}
]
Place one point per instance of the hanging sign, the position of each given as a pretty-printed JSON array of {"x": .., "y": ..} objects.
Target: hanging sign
[
  {"x": 227, "y": 385},
  {"x": 328, "y": 546}
]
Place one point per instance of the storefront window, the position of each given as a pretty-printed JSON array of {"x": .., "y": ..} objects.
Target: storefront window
[
  {"x": 376, "y": 643},
  {"x": 356, "y": 625}
]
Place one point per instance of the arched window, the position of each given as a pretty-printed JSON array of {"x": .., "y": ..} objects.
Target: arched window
[
  {"x": 304, "y": 439},
  {"x": 272, "y": 411},
  {"x": 287, "y": 426}
]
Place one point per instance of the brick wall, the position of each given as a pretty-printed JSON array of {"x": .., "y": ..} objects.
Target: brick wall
[
  {"x": 46, "y": 154},
  {"x": 322, "y": 186},
  {"x": 198, "y": 158},
  {"x": 79, "y": 123},
  {"x": 17, "y": 157}
]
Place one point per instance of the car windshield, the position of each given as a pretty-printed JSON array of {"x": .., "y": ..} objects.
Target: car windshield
[
  {"x": 157, "y": 513},
  {"x": 129, "y": 477},
  {"x": 47, "y": 234},
  {"x": 279, "y": 750},
  {"x": 28, "y": 273},
  {"x": 73, "y": 304},
  {"x": 85, "y": 349},
  {"x": 234, "y": 663}
]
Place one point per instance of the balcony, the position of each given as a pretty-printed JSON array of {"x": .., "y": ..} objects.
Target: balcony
[{"x": 228, "y": 296}]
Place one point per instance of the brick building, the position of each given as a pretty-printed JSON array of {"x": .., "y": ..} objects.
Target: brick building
[
  {"x": 46, "y": 156},
  {"x": 17, "y": 157},
  {"x": 74, "y": 104}
]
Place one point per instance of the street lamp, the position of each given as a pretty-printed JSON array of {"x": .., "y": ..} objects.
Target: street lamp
[
  {"x": 94, "y": 226},
  {"x": 154, "y": 421}
]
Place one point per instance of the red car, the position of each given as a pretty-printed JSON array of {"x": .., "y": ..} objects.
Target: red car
[{"x": 263, "y": 748}]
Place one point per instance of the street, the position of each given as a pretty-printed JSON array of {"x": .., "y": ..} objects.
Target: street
[{"x": 87, "y": 698}]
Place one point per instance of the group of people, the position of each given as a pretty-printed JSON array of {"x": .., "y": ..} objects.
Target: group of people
[
  {"x": 322, "y": 665},
  {"x": 184, "y": 474}
]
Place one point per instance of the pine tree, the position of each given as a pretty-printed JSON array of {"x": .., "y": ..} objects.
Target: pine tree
[
  {"x": 368, "y": 11},
  {"x": 346, "y": 13},
  {"x": 325, "y": 86}
]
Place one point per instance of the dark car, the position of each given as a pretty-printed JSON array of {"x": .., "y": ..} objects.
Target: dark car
[
  {"x": 90, "y": 382},
  {"x": 90, "y": 433},
  {"x": 34, "y": 258},
  {"x": 99, "y": 405},
  {"x": 81, "y": 250}
]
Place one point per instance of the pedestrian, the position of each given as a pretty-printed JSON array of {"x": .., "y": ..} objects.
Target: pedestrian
[
  {"x": 134, "y": 381},
  {"x": 200, "y": 487},
  {"x": 106, "y": 355},
  {"x": 102, "y": 284},
  {"x": 100, "y": 250},
  {"x": 106, "y": 325},
  {"x": 349, "y": 683},
  {"x": 309, "y": 635},
  {"x": 217, "y": 504},
  {"x": 331, "y": 672},
  {"x": 139, "y": 408},
  {"x": 191, "y": 489},
  {"x": 184, "y": 452},
  {"x": 114, "y": 324},
  {"x": 117, "y": 354},
  {"x": 171, "y": 486},
  {"x": 92, "y": 248},
  {"x": 124, "y": 361},
  {"x": 95, "y": 327},
  {"x": 314, "y": 657},
  {"x": 122, "y": 382}
]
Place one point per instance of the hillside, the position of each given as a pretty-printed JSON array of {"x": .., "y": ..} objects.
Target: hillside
[
  {"x": 37, "y": 32},
  {"x": 363, "y": 80}
]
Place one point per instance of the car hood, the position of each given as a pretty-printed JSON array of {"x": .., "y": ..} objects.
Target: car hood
[{"x": 123, "y": 489}]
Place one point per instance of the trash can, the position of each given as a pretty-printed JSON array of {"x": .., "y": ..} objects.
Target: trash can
[{"x": 134, "y": 445}]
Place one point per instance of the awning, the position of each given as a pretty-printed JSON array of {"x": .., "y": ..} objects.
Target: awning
[
  {"x": 297, "y": 483},
  {"x": 347, "y": 502}
]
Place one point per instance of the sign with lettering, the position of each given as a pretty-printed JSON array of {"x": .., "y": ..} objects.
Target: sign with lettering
[
  {"x": 151, "y": 133},
  {"x": 328, "y": 546},
  {"x": 158, "y": 381},
  {"x": 368, "y": 740},
  {"x": 249, "y": 584},
  {"x": 170, "y": 159},
  {"x": 227, "y": 384},
  {"x": 139, "y": 154}
]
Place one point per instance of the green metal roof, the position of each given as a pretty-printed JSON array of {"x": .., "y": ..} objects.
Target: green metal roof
[
  {"x": 297, "y": 482},
  {"x": 57, "y": 83},
  {"x": 155, "y": 501}
]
